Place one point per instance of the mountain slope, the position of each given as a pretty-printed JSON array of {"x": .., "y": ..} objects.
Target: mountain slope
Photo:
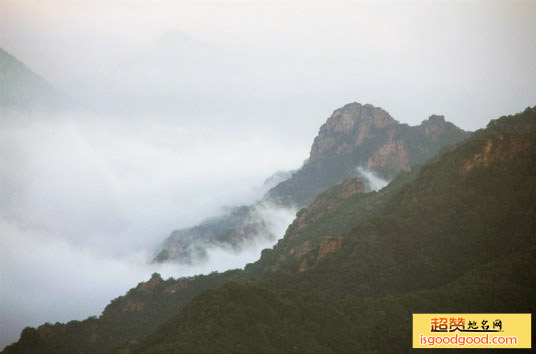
[
  {"x": 21, "y": 88},
  {"x": 483, "y": 191},
  {"x": 355, "y": 269},
  {"x": 231, "y": 230},
  {"x": 459, "y": 237},
  {"x": 353, "y": 136},
  {"x": 364, "y": 136},
  {"x": 127, "y": 318},
  {"x": 241, "y": 318}
]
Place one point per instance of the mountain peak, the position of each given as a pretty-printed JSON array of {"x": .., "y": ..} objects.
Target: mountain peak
[
  {"x": 436, "y": 127},
  {"x": 434, "y": 118},
  {"x": 358, "y": 135},
  {"x": 347, "y": 127},
  {"x": 356, "y": 112}
]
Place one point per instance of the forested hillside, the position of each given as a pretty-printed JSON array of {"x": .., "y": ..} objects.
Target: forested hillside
[
  {"x": 459, "y": 237},
  {"x": 454, "y": 235}
]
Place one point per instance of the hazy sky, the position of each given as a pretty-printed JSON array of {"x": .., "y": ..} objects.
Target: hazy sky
[
  {"x": 188, "y": 106},
  {"x": 288, "y": 63}
]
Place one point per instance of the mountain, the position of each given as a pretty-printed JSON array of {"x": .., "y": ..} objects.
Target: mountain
[
  {"x": 364, "y": 136},
  {"x": 235, "y": 228},
  {"x": 21, "y": 88},
  {"x": 456, "y": 234},
  {"x": 127, "y": 318},
  {"x": 354, "y": 136}
]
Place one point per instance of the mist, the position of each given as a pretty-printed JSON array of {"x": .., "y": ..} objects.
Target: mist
[
  {"x": 372, "y": 181},
  {"x": 86, "y": 200}
]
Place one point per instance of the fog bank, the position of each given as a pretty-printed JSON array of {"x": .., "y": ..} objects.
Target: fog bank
[{"x": 87, "y": 199}]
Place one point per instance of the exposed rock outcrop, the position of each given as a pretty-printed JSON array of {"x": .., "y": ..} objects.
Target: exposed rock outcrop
[
  {"x": 172, "y": 289},
  {"x": 150, "y": 285},
  {"x": 363, "y": 136},
  {"x": 301, "y": 250},
  {"x": 329, "y": 245},
  {"x": 348, "y": 127},
  {"x": 503, "y": 147},
  {"x": 392, "y": 155}
]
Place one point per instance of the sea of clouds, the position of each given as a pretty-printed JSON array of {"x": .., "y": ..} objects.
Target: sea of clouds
[{"x": 87, "y": 199}]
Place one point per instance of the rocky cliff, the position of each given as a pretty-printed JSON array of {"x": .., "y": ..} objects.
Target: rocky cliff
[
  {"x": 347, "y": 128},
  {"x": 368, "y": 137}
]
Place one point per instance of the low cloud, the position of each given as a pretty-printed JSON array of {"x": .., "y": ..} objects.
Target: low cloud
[
  {"x": 373, "y": 182},
  {"x": 86, "y": 200},
  {"x": 277, "y": 220}
]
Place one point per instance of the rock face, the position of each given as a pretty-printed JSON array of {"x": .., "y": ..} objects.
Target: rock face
[
  {"x": 503, "y": 148},
  {"x": 353, "y": 136},
  {"x": 392, "y": 155},
  {"x": 329, "y": 245},
  {"x": 347, "y": 128},
  {"x": 364, "y": 136}
]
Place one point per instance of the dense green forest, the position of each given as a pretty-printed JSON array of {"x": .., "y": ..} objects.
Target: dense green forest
[{"x": 456, "y": 234}]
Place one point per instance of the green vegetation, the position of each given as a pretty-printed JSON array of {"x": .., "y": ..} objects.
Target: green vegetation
[
  {"x": 126, "y": 318},
  {"x": 245, "y": 318},
  {"x": 454, "y": 235},
  {"x": 460, "y": 237}
]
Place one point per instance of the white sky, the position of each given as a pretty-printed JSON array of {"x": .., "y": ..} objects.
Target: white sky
[{"x": 291, "y": 62}]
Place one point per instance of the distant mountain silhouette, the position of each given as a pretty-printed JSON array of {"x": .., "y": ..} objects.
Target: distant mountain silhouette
[{"x": 22, "y": 89}]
